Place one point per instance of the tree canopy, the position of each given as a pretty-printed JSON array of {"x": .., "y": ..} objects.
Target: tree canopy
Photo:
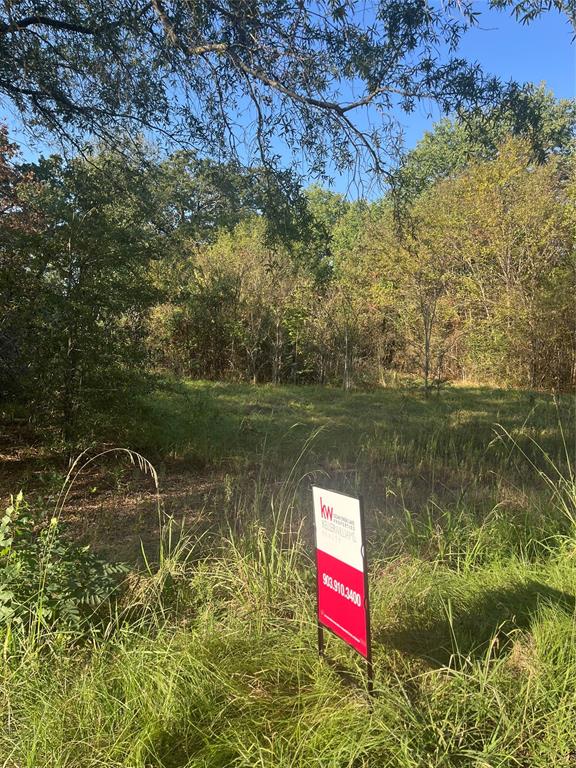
[
  {"x": 547, "y": 124},
  {"x": 261, "y": 72}
]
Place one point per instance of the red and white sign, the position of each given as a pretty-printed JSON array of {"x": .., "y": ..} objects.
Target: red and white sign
[{"x": 341, "y": 566}]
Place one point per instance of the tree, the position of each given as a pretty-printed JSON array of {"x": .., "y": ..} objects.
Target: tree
[
  {"x": 196, "y": 198},
  {"x": 512, "y": 231},
  {"x": 84, "y": 269},
  {"x": 186, "y": 69},
  {"x": 478, "y": 283},
  {"x": 363, "y": 296},
  {"x": 19, "y": 220},
  {"x": 430, "y": 266},
  {"x": 236, "y": 313},
  {"x": 547, "y": 124}
]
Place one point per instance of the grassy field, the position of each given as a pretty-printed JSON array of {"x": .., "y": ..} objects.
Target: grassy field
[{"x": 208, "y": 657}]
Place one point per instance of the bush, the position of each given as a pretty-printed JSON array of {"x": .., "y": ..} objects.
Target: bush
[{"x": 45, "y": 580}]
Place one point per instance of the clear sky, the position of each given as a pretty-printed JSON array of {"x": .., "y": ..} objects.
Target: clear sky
[{"x": 540, "y": 52}]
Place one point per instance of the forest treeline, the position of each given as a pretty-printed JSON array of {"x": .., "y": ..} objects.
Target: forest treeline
[{"x": 115, "y": 262}]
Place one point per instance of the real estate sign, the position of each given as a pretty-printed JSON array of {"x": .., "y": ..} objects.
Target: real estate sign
[{"x": 342, "y": 578}]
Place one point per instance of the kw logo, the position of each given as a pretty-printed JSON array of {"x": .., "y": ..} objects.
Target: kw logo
[{"x": 326, "y": 511}]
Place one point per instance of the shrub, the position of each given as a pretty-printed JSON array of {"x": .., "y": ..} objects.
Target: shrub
[{"x": 46, "y": 580}]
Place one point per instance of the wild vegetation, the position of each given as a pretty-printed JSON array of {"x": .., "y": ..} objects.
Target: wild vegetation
[
  {"x": 336, "y": 338},
  {"x": 461, "y": 273},
  {"x": 193, "y": 331},
  {"x": 207, "y": 655}
]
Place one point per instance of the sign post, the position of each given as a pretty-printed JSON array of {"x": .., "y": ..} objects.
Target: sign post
[{"x": 342, "y": 572}]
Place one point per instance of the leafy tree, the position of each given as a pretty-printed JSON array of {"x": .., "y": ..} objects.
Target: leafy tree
[
  {"x": 429, "y": 273},
  {"x": 173, "y": 263},
  {"x": 326, "y": 207},
  {"x": 230, "y": 319},
  {"x": 195, "y": 198},
  {"x": 19, "y": 219},
  {"x": 185, "y": 69},
  {"x": 509, "y": 226},
  {"x": 363, "y": 281},
  {"x": 479, "y": 283},
  {"x": 86, "y": 269},
  {"x": 547, "y": 124}
]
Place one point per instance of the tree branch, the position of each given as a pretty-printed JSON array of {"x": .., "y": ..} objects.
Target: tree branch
[
  {"x": 192, "y": 50},
  {"x": 45, "y": 21}
]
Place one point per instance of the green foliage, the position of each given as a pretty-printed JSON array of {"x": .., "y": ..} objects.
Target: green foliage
[
  {"x": 546, "y": 124},
  {"x": 195, "y": 199},
  {"x": 185, "y": 71},
  {"x": 45, "y": 581},
  {"x": 81, "y": 278},
  {"x": 213, "y": 661},
  {"x": 471, "y": 271},
  {"x": 18, "y": 222},
  {"x": 471, "y": 665},
  {"x": 468, "y": 287},
  {"x": 118, "y": 263}
]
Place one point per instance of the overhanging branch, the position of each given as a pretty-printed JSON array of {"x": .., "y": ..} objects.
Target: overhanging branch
[{"x": 45, "y": 21}]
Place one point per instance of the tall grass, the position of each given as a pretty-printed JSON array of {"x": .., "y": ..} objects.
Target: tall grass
[
  {"x": 210, "y": 657},
  {"x": 470, "y": 671},
  {"x": 475, "y": 666}
]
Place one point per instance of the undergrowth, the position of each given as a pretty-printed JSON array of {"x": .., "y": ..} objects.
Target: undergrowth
[{"x": 472, "y": 668}]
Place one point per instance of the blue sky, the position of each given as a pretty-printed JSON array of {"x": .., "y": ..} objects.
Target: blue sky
[{"x": 542, "y": 51}]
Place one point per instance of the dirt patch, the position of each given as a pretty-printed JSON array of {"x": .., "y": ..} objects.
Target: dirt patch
[{"x": 112, "y": 506}]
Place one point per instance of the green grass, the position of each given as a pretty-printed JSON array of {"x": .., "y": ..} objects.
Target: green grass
[
  {"x": 476, "y": 667},
  {"x": 210, "y": 658},
  {"x": 236, "y": 424},
  {"x": 460, "y": 467}
]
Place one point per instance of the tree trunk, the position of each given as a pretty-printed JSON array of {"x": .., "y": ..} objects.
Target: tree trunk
[
  {"x": 347, "y": 361},
  {"x": 69, "y": 390}
]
